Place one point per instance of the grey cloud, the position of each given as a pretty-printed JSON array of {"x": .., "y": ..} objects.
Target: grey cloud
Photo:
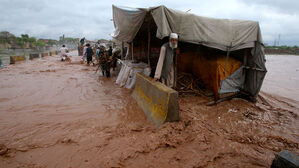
[
  {"x": 283, "y": 6},
  {"x": 77, "y": 18}
]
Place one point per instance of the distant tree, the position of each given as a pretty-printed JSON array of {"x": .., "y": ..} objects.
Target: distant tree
[
  {"x": 32, "y": 39},
  {"x": 39, "y": 43},
  {"x": 25, "y": 36},
  {"x": 51, "y": 42},
  {"x": 19, "y": 41}
]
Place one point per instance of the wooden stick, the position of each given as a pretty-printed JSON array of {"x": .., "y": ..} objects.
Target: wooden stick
[
  {"x": 222, "y": 99},
  {"x": 149, "y": 45},
  {"x": 244, "y": 60},
  {"x": 132, "y": 50},
  {"x": 122, "y": 50}
]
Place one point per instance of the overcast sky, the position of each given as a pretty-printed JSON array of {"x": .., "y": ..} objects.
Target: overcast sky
[{"x": 78, "y": 18}]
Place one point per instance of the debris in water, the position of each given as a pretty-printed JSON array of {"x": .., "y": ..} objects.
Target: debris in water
[
  {"x": 3, "y": 149},
  {"x": 190, "y": 84}
]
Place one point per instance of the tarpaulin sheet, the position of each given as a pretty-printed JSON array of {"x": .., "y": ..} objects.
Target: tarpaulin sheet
[
  {"x": 217, "y": 33},
  {"x": 232, "y": 83},
  {"x": 223, "y": 34},
  {"x": 127, "y": 22}
]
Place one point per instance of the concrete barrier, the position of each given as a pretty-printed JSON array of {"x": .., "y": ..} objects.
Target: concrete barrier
[
  {"x": 45, "y": 54},
  {"x": 158, "y": 102},
  {"x": 14, "y": 59},
  {"x": 32, "y": 56},
  {"x": 52, "y": 53},
  {"x": 285, "y": 159}
]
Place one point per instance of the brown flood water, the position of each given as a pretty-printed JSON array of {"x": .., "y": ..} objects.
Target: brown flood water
[{"x": 55, "y": 114}]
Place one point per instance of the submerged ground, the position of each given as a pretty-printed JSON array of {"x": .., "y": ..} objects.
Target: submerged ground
[{"x": 55, "y": 114}]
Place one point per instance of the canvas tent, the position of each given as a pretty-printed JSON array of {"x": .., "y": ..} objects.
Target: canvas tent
[{"x": 228, "y": 55}]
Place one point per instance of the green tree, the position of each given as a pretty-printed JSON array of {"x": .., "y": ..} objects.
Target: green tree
[
  {"x": 19, "y": 41},
  {"x": 51, "y": 42},
  {"x": 39, "y": 43},
  {"x": 32, "y": 39},
  {"x": 25, "y": 37}
]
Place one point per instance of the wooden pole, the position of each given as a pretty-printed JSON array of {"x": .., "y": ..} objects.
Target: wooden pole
[
  {"x": 244, "y": 64},
  {"x": 132, "y": 44},
  {"x": 245, "y": 57},
  {"x": 149, "y": 45},
  {"x": 122, "y": 50},
  {"x": 245, "y": 60}
]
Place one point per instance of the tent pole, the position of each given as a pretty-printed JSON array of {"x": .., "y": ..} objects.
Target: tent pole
[
  {"x": 225, "y": 68},
  {"x": 244, "y": 66},
  {"x": 226, "y": 59},
  {"x": 245, "y": 59},
  {"x": 122, "y": 50},
  {"x": 149, "y": 45},
  {"x": 132, "y": 44}
]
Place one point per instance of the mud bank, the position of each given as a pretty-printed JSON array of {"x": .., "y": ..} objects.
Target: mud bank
[{"x": 55, "y": 114}]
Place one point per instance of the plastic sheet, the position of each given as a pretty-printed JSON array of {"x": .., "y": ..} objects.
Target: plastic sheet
[{"x": 127, "y": 75}]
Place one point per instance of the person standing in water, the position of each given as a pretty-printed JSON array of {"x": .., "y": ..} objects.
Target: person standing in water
[
  {"x": 84, "y": 53},
  {"x": 97, "y": 54},
  {"x": 82, "y": 41},
  {"x": 89, "y": 53},
  {"x": 166, "y": 67}
]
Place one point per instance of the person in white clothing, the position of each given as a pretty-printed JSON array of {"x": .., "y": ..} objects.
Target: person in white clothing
[
  {"x": 63, "y": 52},
  {"x": 165, "y": 70}
]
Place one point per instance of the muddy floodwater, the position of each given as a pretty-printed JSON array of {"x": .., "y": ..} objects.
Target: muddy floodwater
[
  {"x": 282, "y": 78},
  {"x": 56, "y": 114}
]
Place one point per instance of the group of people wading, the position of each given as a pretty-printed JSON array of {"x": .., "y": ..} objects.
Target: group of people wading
[
  {"x": 98, "y": 55},
  {"x": 165, "y": 70},
  {"x": 105, "y": 59}
]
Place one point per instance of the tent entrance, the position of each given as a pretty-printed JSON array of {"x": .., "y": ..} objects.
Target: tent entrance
[
  {"x": 212, "y": 68},
  {"x": 209, "y": 68}
]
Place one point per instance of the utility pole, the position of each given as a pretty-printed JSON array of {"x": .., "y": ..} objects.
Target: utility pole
[{"x": 278, "y": 39}]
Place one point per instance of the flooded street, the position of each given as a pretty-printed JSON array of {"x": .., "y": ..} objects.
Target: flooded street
[{"x": 56, "y": 114}]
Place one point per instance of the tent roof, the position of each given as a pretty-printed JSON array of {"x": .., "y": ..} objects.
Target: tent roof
[{"x": 223, "y": 34}]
